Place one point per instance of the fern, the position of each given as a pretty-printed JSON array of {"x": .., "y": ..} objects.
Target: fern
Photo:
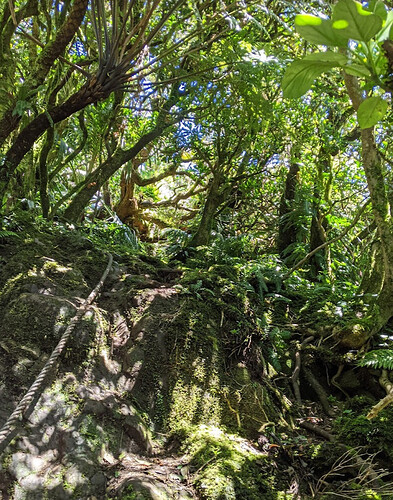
[
  {"x": 4, "y": 233},
  {"x": 178, "y": 241},
  {"x": 381, "y": 358}
]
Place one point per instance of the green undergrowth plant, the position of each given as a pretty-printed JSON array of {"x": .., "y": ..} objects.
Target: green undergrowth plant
[
  {"x": 224, "y": 468},
  {"x": 5, "y": 234},
  {"x": 380, "y": 358},
  {"x": 354, "y": 429},
  {"x": 113, "y": 235},
  {"x": 177, "y": 242}
]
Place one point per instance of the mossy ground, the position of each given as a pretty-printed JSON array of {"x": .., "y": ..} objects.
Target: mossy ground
[{"x": 189, "y": 366}]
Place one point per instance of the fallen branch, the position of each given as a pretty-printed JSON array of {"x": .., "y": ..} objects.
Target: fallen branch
[
  {"x": 317, "y": 430},
  {"x": 320, "y": 391},
  {"x": 38, "y": 385}
]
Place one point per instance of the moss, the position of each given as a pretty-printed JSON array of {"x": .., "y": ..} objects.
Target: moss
[
  {"x": 130, "y": 493},
  {"x": 225, "y": 469},
  {"x": 71, "y": 279},
  {"x": 193, "y": 403},
  {"x": 247, "y": 403},
  {"x": 356, "y": 430}
]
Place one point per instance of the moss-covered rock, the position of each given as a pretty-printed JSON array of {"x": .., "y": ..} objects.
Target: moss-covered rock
[{"x": 227, "y": 467}]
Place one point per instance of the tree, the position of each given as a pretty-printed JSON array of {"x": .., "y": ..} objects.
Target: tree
[
  {"x": 144, "y": 52},
  {"x": 366, "y": 57}
]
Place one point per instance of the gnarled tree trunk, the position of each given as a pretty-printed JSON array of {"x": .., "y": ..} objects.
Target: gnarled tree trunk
[
  {"x": 216, "y": 196},
  {"x": 357, "y": 333}
]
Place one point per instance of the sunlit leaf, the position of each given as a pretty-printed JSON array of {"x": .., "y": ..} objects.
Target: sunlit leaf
[
  {"x": 319, "y": 31},
  {"x": 357, "y": 70},
  {"x": 382, "y": 358},
  {"x": 300, "y": 75},
  {"x": 362, "y": 24},
  {"x": 384, "y": 34},
  {"x": 377, "y": 7},
  {"x": 371, "y": 111}
]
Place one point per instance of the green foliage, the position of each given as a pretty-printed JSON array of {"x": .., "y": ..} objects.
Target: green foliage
[
  {"x": 114, "y": 234},
  {"x": 381, "y": 358},
  {"x": 354, "y": 22},
  {"x": 178, "y": 242},
  {"x": 356, "y": 429},
  {"x": 371, "y": 111},
  {"x": 279, "y": 344},
  {"x": 301, "y": 74},
  {"x": 319, "y": 31},
  {"x": 350, "y": 21},
  {"x": 5, "y": 233}
]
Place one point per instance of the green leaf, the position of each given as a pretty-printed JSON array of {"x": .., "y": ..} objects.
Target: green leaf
[
  {"x": 371, "y": 111},
  {"x": 362, "y": 24},
  {"x": 382, "y": 358},
  {"x": 20, "y": 108},
  {"x": 357, "y": 70},
  {"x": 377, "y": 7},
  {"x": 300, "y": 75},
  {"x": 319, "y": 31},
  {"x": 385, "y": 31}
]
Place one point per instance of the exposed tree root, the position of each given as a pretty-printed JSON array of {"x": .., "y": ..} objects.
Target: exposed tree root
[
  {"x": 334, "y": 380},
  {"x": 296, "y": 371},
  {"x": 317, "y": 430},
  {"x": 383, "y": 403},
  {"x": 320, "y": 391}
]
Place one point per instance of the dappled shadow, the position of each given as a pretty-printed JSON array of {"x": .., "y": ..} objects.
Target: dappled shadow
[{"x": 146, "y": 362}]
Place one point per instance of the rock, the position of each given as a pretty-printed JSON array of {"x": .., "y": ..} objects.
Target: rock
[
  {"x": 143, "y": 487},
  {"x": 98, "y": 481},
  {"x": 32, "y": 482},
  {"x": 73, "y": 477},
  {"x": 18, "y": 466}
]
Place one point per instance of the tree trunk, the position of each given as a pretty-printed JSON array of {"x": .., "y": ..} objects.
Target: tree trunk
[
  {"x": 215, "y": 198},
  {"x": 357, "y": 333},
  {"x": 128, "y": 209},
  {"x": 101, "y": 174},
  {"x": 43, "y": 172},
  {"x": 25, "y": 140},
  {"x": 320, "y": 262},
  {"x": 44, "y": 63},
  {"x": 287, "y": 232}
]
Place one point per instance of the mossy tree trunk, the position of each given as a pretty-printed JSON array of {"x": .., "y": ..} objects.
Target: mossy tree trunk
[
  {"x": 382, "y": 309},
  {"x": 287, "y": 228},
  {"x": 218, "y": 193},
  {"x": 320, "y": 262}
]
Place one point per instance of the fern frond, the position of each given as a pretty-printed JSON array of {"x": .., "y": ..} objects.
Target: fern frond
[
  {"x": 4, "y": 233},
  {"x": 381, "y": 358}
]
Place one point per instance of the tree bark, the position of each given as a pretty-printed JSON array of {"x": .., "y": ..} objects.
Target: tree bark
[
  {"x": 88, "y": 94},
  {"x": 382, "y": 310},
  {"x": 287, "y": 225},
  {"x": 45, "y": 60},
  {"x": 216, "y": 196},
  {"x": 100, "y": 175}
]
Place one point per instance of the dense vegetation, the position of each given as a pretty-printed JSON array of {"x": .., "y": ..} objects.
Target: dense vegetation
[{"x": 235, "y": 159}]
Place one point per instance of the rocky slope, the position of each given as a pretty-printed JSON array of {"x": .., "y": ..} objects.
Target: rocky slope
[{"x": 162, "y": 391}]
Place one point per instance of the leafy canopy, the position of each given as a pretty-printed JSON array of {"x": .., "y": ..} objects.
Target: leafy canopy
[{"x": 353, "y": 35}]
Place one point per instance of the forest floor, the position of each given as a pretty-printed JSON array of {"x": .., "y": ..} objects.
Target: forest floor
[{"x": 152, "y": 396}]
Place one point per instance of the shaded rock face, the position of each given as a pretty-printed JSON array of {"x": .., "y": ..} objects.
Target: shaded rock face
[{"x": 144, "y": 365}]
